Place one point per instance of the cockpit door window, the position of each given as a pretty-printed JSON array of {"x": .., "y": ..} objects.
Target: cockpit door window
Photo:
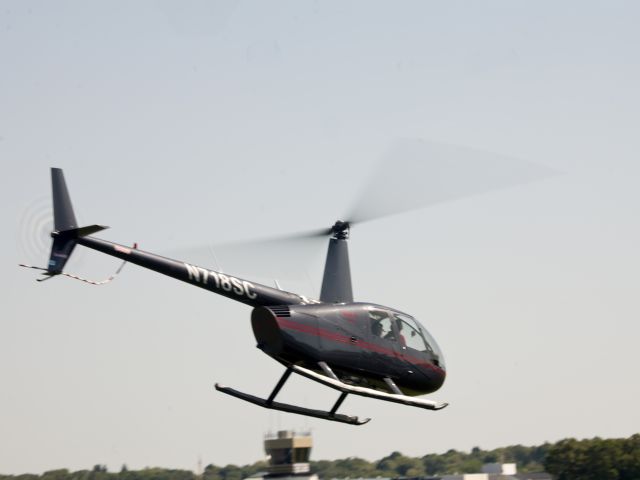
[
  {"x": 382, "y": 325},
  {"x": 384, "y": 354}
]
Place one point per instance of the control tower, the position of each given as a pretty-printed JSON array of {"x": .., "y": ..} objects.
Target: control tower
[{"x": 288, "y": 454}]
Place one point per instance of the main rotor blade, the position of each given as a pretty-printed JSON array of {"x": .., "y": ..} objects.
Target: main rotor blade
[
  {"x": 415, "y": 174},
  {"x": 282, "y": 257}
]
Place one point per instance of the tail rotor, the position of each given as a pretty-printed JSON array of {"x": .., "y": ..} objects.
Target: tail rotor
[{"x": 65, "y": 232}]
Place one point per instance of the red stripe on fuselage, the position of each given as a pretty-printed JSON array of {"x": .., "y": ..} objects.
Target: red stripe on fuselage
[{"x": 336, "y": 337}]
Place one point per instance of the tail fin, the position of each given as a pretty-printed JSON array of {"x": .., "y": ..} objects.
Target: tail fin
[
  {"x": 63, "y": 216},
  {"x": 66, "y": 228}
]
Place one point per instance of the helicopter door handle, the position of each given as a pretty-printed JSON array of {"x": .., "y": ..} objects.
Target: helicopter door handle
[{"x": 354, "y": 339}]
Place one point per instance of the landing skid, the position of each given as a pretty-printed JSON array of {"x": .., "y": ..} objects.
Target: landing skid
[
  {"x": 330, "y": 380},
  {"x": 285, "y": 407},
  {"x": 331, "y": 415},
  {"x": 336, "y": 384}
]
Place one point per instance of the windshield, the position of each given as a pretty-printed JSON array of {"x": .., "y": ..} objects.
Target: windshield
[{"x": 417, "y": 337}]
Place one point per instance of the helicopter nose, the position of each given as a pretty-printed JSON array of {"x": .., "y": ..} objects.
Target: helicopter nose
[
  {"x": 267, "y": 331},
  {"x": 440, "y": 377},
  {"x": 433, "y": 376}
]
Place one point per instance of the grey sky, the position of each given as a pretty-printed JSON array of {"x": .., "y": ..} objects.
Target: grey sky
[{"x": 180, "y": 123}]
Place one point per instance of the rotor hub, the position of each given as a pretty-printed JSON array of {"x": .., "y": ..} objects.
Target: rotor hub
[{"x": 340, "y": 230}]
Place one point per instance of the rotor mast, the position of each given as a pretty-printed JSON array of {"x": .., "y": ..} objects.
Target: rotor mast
[{"x": 336, "y": 281}]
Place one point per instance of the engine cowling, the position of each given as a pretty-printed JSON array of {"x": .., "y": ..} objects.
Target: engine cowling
[{"x": 265, "y": 327}]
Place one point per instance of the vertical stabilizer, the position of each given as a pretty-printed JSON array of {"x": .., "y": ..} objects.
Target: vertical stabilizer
[{"x": 63, "y": 216}]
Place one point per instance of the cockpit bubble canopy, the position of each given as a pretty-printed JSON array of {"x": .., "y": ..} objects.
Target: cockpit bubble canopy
[
  {"x": 400, "y": 328},
  {"x": 417, "y": 337}
]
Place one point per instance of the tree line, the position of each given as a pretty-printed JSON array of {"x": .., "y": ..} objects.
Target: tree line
[{"x": 570, "y": 459}]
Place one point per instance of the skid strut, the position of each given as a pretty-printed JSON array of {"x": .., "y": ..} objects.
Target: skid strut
[{"x": 283, "y": 379}]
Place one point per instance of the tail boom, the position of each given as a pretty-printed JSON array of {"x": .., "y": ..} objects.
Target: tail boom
[{"x": 243, "y": 291}]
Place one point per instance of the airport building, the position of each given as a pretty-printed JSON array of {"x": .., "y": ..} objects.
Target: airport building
[
  {"x": 491, "y": 471},
  {"x": 288, "y": 453}
]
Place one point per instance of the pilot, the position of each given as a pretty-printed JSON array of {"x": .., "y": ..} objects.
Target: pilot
[
  {"x": 376, "y": 323},
  {"x": 390, "y": 335},
  {"x": 376, "y": 329},
  {"x": 403, "y": 341}
]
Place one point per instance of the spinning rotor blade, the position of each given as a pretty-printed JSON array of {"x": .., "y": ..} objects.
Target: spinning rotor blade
[
  {"x": 282, "y": 257},
  {"x": 414, "y": 174}
]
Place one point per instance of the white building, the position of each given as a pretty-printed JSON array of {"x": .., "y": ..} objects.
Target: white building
[
  {"x": 466, "y": 476},
  {"x": 500, "y": 468}
]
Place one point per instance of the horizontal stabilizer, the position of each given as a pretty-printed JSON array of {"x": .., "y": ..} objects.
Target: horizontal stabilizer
[{"x": 83, "y": 231}]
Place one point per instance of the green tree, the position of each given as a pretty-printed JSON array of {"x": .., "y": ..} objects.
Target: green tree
[
  {"x": 398, "y": 465},
  {"x": 211, "y": 472},
  {"x": 595, "y": 459},
  {"x": 231, "y": 472},
  {"x": 434, "y": 464},
  {"x": 630, "y": 463}
]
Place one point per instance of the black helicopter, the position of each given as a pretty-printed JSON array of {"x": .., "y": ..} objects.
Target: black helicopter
[{"x": 355, "y": 348}]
